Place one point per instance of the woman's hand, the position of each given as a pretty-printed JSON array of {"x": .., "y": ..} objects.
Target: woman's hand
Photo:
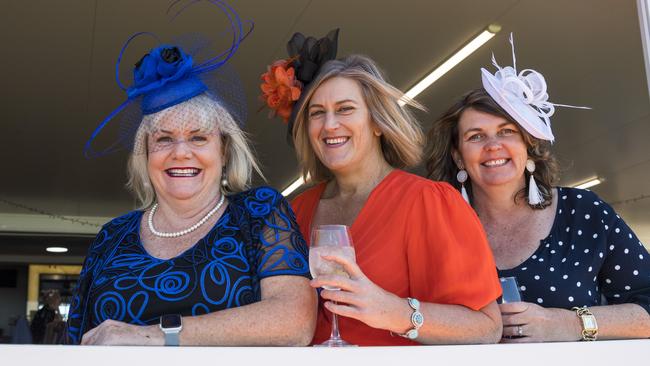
[
  {"x": 116, "y": 333},
  {"x": 361, "y": 299},
  {"x": 527, "y": 322}
]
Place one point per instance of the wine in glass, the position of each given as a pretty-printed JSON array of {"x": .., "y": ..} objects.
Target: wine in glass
[{"x": 333, "y": 240}]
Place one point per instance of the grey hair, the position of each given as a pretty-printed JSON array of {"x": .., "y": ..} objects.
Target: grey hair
[{"x": 210, "y": 114}]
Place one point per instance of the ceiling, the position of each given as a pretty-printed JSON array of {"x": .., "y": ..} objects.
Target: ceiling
[{"x": 57, "y": 72}]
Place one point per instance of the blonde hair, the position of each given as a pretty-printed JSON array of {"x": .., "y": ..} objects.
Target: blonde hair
[
  {"x": 209, "y": 114},
  {"x": 402, "y": 138}
]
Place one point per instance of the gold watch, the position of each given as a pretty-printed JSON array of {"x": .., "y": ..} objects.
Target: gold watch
[{"x": 589, "y": 325}]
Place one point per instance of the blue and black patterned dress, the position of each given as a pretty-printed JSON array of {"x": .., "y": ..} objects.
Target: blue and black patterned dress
[{"x": 256, "y": 237}]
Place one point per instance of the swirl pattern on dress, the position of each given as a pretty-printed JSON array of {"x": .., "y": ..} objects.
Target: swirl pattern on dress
[{"x": 256, "y": 237}]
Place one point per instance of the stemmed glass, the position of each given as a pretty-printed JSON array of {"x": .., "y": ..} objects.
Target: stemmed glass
[
  {"x": 510, "y": 290},
  {"x": 334, "y": 240}
]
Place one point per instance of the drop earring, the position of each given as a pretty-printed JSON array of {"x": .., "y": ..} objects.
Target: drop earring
[
  {"x": 534, "y": 195},
  {"x": 461, "y": 177}
]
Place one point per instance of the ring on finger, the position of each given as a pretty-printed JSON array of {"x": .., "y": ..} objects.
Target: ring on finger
[{"x": 520, "y": 331}]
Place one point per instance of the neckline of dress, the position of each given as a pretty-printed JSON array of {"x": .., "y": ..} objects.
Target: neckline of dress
[{"x": 323, "y": 185}]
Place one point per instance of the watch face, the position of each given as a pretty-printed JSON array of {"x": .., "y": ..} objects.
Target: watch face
[
  {"x": 417, "y": 319},
  {"x": 170, "y": 321},
  {"x": 589, "y": 322}
]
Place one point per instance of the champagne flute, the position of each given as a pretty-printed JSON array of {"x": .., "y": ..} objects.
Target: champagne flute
[
  {"x": 510, "y": 290},
  {"x": 332, "y": 240}
]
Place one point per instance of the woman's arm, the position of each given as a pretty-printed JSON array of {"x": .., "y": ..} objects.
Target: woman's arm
[
  {"x": 363, "y": 300},
  {"x": 286, "y": 316}
]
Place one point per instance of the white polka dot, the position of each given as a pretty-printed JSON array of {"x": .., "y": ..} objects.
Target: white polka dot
[
  {"x": 611, "y": 247},
  {"x": 626, "y": 251},
  {"x": 595, "y": 236},
  {"x": 586, "y": 250},
  {"x": 578, "y": 284},
  {"x": 576, "y": 264},
  {"x": 596, "y": 203},
  {"x": 573, "y": 247},
  {"x": 579, "y": 232},
  {"x": 606, "y": 227},
  {"x": 579, "y": 196},
  {"x": 553, "y": 251},
  {"x": 536, "y": 277},
  {"x": 600, "y": 254},
  {"x": 635, "y": 272},
  {"x": 568, "y": 229},
  {"x": 590, "y": 269},
  {"x": 628, "y": 288},
  {"x": 594, "y": 278},
  {"x": 617, "y": 295},
  {"x": 564, "y": 197},
  {"x": 534, "y": 257},
  {"x": 560, "y": 243},
  {"x": 571, "y": 298},
  {"x": 587, "y": 216},
  {"x": 523, "y": 288},
  {"x": 547, "y": 245},
  {"x": 640, "y": 256},
  {"x": 553, "y": 288},
  {"x": 573, "y": 211},
  {"x": 589, "y": 292},
  {"x": 608, "y": 280},
  {"x": 563, "y": 260},
  {"x": 541, "y": 259},
  {"x": 617, "y": 230},
  {"x": 539, "y": 300},
  {"x": 565, "y": 277},
  {"x": 524, "y": 268},
  {"x": 606, "y": 213},
  {"x": 617, "y": 267},
  {"x": 559, "y": 211},
  {"x": 629, "y": 236},
  {"x": 552, "y": 269}
]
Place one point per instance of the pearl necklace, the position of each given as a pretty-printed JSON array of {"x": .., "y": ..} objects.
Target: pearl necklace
[{"x": 182, "y": 232}]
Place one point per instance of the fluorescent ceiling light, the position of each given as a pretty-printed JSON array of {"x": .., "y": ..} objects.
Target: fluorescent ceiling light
[
  {"x": 588, "y": 184},
  {"x": 436, "y": 74},
  {"x": 293, "y": 186},
  {"x": 56, "y": 249},
  {"x": 451, "y": 62}
]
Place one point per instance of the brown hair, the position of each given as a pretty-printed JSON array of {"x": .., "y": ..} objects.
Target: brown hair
[
  {"x": 402, "y": 139},
  {"x": 444, "y": 138}
]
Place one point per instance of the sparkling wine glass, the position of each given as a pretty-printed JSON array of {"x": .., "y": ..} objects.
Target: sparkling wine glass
[
  {"x": 332, "y": 240},
  {"x": 510, "y": 290}
]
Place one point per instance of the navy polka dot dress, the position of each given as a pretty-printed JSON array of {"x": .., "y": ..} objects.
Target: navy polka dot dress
[{"x": 589, "y": 255}]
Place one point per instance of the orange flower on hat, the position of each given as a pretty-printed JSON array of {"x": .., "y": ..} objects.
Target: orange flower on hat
[{"x": 280, "y": 88}]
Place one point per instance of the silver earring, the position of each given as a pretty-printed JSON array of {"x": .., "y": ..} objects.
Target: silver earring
[
  {"x": 534, "y": 195},
  {"x": 461, "y": 177}
]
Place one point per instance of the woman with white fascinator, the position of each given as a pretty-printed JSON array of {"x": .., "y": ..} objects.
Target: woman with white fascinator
[{"x": 567, "y": 249}]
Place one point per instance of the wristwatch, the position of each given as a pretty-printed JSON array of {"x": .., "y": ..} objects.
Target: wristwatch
[
  {"x": 589, "y": 325},
  {"x": 171, "y": 325},
  {"x": 417, "y": 319}
]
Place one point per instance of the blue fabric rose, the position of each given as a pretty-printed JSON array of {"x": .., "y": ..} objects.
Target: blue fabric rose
[{"x": 162, "y": 65}]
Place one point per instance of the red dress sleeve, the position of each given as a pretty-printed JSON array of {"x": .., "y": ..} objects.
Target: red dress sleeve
[{"x": 449, "y": 259}]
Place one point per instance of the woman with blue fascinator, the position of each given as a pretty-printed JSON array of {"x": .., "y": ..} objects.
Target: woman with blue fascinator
[
  {"x": 205, "y": 260},
  {"x": 567, "y": 249}
]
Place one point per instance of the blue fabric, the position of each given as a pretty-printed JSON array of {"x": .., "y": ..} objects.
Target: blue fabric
[
  {"x": 256, "y": 237},
  {"x": 589, "y": 255}
]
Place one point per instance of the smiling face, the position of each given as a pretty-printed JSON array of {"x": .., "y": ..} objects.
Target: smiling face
[
  {"x": 185, "y": 159},
  {"x": 340, "y": 129},
  {"x": 491, "y": 149}
]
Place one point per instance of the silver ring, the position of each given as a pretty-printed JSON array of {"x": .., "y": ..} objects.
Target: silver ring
[{"x": 520, "y": 331}]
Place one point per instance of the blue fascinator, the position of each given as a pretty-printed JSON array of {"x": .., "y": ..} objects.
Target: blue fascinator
[{"x": 170, "y": 75}]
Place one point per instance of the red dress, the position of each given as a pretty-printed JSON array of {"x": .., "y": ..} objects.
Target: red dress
[{"x": 413, "y": 238}]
